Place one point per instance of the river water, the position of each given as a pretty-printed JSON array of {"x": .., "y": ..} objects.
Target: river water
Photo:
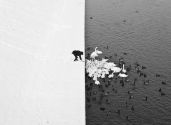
[{"x": 139, "y": 31}]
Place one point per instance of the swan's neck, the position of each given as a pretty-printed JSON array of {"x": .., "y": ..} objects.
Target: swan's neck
[{"x": 95, "y": 49}]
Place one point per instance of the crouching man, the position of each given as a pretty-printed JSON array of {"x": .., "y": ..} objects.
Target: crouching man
[{"x": 77, "y": 54}]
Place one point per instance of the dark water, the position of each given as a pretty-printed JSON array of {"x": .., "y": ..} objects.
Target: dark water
[{"x": 141, "y": 28}]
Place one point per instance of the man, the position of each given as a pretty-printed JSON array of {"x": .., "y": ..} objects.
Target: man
[{"x": 77, "y": 54}]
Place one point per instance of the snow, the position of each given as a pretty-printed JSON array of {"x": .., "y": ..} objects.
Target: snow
[{"x": 40, "y": 83}]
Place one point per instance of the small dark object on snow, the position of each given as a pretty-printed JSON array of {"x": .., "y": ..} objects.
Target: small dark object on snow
[{"x": 77, "y": 54}]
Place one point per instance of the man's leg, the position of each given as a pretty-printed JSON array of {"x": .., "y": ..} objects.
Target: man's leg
[
  {"x": 80, "y": 57},
  {"x": 76, "y": 58}
]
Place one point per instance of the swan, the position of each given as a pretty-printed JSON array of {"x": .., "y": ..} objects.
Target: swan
[
  {"x": 123, "y": 69},
  {"x": 95, "y": 53},
  {"x": 115, "y": 69},
  {"x": 122, "y": 75},
  {"x": 111, "y": 75}
]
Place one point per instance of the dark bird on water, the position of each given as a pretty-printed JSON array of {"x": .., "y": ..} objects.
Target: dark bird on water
[
  {"x": 124, "y": 21},
  {"x": 134, "y": 81},
  {"x": 128, "y": 68},
  {"x": 141, "y": 74},
  {"x": 132, "y": 108},
  {"x": 102, "y": 108},
  {"x": 124, "y": 53},
  {"x": 162, "y": 94},
  {"x": 127, "y": 118},
  {"x": 126, "y": 103},
  {"x": 146, "y": 82},
  {"x": 88, "y": 106},
  {"x": 145, "y": 75},
  {"x": 107, "y": 47},
  {"x": 123, "y": 84},
  {"x": 88, "y": 48},
  {"x": 136, "y": 11},
  {"x": 137, "y": 64},
  {"x": 160, "y": 90},
  {"x": 118, "y": 112},
  {"x": 143, "y": 67},
  {"x": 94, "y": 98},
  {"x": 129, "y": 92},
  {"x": 107, "y": 101},
  {"x": 131, "y": 96},
  {"x": 158, "y": 75},
  {"x": 145, "y": 99},
  {"x": 115, "y": 54},
  {"x": 164, "y": 83}
]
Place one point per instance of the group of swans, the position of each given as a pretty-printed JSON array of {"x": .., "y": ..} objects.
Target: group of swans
[{"x": 104, "y": 68}]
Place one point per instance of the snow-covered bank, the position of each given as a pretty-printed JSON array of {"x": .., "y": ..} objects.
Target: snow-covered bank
[{"x": 39, "y": 82}]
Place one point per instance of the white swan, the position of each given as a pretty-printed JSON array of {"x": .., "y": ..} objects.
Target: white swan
[
  {"x": 95, "y": 53},
  {"x": 111, "y": 75},
  {"x": 123, "y": 69},
  {"x": 122, "y": 75},
  {"x": 116, "y": 69}
]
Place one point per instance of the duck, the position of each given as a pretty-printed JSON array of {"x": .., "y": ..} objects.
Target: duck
[
  {"x": 102, "y": 108},
  {"x": 164, "y": 83},
  {"x": 132, "y": 108},
  {"x": 145, "y": 75},
  {"x": 146, "y": 82},
  {"x": 143, "y": 67},
  {"x": 127, "y": 118},
  {"x": 157, "y": 75},
  {"x": 134, "y": 81},
  {"x": 160, "y": 90},
  {"x": 131, "y": 97},
  {"x": 162, "y": 94},
  {"x": 130, "y": 92},
  {"x": 145, "y": 98},
  {"x": 118, "y": 111}
]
